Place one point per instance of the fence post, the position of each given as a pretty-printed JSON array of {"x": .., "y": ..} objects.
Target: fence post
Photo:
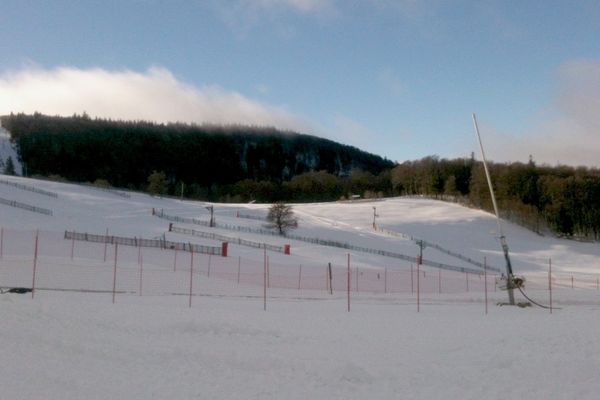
[
  {"x": 208, "y": 270},
  {"x": 385, "y": 280},
  {"x": 265, "y": 279},
  {"x": 418, "y": 286},
  {"x": 105, "y": 243},
  {"x": 72, "y": 245},
  {"x": 330, "y": 279},
  {"x": 485, "y": 283},
  {"x": 115, "y": 274},
  {"x": 572, "y": 282},
  {"x": 348, "y": 282},
  {"x": 175, "y": 261},
  {"x": 268, "y": 271},
  {"x": 467, "y": 280},
  {"x": 412, "y": 286},
  {"x": 191, "y": 274},
  {"x": 550, "y": 282},
  {"x": 141, "y": 272},
  {"x": 35, "y": 255}
]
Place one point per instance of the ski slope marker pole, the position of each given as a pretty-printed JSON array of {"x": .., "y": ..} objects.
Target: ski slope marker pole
[
  {"x": 265, "y": 279},
  {"x": 485, "y": 283},
  {"x": 191, "y": 275},
  {"x": 418, "y": 287},
  {"x": 208, "y": 270},
  {"x": 175, "y": 261},
  {"x": 35, "y": 255},
  {"x": 72, "y": 245},
  {"x": 105, "y": 243},
  {"x": 550, "y": 282},
  {"x": 348, "y": 282},
  {"x": 385, "y": 280},
  {"x": 115, "y": 274},
  {"x": 141, "y": 272}
]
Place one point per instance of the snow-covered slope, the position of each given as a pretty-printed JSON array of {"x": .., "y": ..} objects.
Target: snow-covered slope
[
  {"x": 72, "y": 345},
  {"x": 471, "y": 233},
  {"x": 7, "y": 150}
]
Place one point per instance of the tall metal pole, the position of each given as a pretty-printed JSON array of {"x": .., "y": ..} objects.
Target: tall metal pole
[{"x": 509, "y": 271}]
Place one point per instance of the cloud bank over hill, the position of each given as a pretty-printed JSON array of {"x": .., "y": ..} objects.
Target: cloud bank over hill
[
  {"x": 154, "y": 95},
  {"x": 564, "y": 132}
]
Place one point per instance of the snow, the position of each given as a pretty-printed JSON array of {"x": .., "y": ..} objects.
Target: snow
[
  {"x": 73, "y": 345},
  {"x": 7, "y": 150}
]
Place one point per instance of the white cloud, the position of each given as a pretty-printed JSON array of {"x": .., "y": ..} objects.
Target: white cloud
[
  {"x": 569, "y": 132},
  {"x": 303, "y": 6},
  {"x": 243, "y": 16},
  {"x": 154, "y": 95}
]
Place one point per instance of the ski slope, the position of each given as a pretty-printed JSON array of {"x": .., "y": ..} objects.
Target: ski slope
[{"x": 73, "y": 345}]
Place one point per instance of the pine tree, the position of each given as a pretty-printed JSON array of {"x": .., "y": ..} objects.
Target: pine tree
[
  {"x": 157, "y": 183},
  {"x": 9, "y": 167}
]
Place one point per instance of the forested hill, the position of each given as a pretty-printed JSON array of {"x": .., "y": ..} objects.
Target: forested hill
[
  {"x": 243, "y": 163},
  {"x": 82, "y": 149}
]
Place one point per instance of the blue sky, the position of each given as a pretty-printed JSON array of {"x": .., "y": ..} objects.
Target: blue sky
[{"x": 396, "y": 78}]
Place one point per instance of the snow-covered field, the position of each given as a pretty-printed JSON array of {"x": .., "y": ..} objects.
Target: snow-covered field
[{"x": 74, "y": 345}]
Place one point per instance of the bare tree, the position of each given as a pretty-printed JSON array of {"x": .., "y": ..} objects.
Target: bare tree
[{"x": 281, "y": 216}]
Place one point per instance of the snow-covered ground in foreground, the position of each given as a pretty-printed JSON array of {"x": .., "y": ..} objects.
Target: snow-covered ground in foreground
[{"x": 70, "y": 345}]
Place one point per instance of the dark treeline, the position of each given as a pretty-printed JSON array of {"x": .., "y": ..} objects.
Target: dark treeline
[
  {"x": 241, "y": 164},
  {"x": 212, "y": 162}
]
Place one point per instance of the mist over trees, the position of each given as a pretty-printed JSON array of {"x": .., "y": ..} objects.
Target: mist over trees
[{"x": 240, "y": 164}]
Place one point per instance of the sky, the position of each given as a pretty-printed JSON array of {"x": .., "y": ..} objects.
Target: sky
[{"x": 400, "y": 78}]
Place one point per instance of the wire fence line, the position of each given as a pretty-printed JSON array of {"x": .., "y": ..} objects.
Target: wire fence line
[
  {"x": 107, "y": 189},
  {"x": 29, "y": 188},
  {"x": 323, "y": 242},
  {"x": 229, "y": 239},
  {"x": 44, "y": 261},
  {"x": 140, "y": 242},
  {"x": 250, "y": 216},
  {"x": 438, "y": 248},
  {"x": 175, "y": 218},
  {"x": 27, "y": 207}
]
